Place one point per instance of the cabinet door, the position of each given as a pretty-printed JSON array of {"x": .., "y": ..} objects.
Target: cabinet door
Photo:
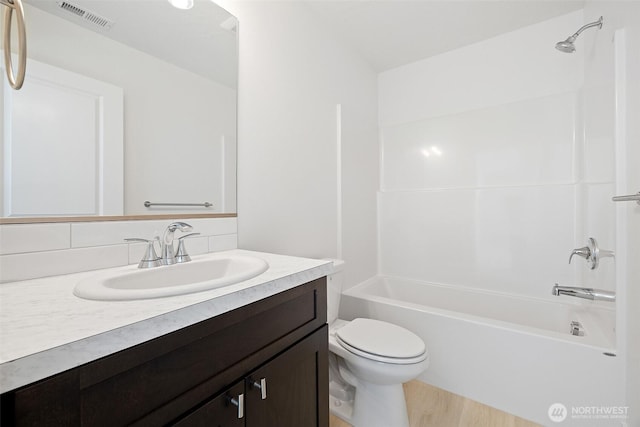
[
  {"x": 296, "y": 391},
  {"x": 226, "y": 410}
]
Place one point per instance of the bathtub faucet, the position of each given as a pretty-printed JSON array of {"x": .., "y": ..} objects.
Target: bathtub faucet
[{"x": 586, "y": 293}]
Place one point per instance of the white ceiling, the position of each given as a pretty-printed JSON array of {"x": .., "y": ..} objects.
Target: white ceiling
[
  {"x": 391, "y": 33},
  {"x": 386, "y": 33}
]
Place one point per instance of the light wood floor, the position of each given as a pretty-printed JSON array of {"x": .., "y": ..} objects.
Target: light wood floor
[{"x": 429, "y": 406}]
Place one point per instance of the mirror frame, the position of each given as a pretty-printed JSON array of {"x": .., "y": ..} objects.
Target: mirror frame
[{"x": 150, "y": 217}]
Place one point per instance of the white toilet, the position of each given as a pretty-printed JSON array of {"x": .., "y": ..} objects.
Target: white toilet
[{"x": 369, "y": 360}]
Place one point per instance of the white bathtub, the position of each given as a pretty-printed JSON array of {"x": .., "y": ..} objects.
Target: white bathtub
[{"x": 512, "y": 353}]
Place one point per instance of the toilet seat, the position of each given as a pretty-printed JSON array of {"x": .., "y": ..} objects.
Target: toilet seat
[{"x": 381, "y": 341}]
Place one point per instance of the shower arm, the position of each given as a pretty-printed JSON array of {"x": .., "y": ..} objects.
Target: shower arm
[{"x": 597, "y": 23}]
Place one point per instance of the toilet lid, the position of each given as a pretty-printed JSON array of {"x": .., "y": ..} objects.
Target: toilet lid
[{"x": 386, "y": 340}]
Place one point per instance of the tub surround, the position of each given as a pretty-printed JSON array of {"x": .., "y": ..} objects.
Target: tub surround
[
  {"x": 526, "y": 189},
  {"x": 45, "y": 329}
]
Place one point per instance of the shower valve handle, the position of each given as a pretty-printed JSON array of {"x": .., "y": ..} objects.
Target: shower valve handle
[
  {"x": 583, "y": 252},
  {"x": 592, "y": 253}
]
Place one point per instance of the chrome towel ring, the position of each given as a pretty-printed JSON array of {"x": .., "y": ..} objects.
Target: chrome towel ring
[{"x": 16, "y": 80}]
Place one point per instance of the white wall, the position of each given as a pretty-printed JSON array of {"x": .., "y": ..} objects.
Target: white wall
[
  {"x": 293, "y": 73},
  {"x": 174, "y": 120},
  {"x": 511, "y": 187}
]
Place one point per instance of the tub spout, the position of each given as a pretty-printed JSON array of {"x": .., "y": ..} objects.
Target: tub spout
[{"x": 586, "y": 293}]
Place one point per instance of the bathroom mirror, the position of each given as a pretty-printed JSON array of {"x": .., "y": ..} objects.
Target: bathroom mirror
[{"x": 125, "y": 102}]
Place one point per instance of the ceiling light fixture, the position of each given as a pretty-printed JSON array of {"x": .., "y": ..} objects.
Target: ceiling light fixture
[{"x": 181, "y": 4}]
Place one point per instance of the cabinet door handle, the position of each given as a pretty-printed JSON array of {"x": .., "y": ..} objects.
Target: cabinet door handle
[
  {"x": 262, "y": 386},
  {"x": 239, "y": 402}
]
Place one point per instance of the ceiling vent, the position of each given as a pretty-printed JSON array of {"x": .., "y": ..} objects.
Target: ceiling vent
[{"x": 86, "y": 15}]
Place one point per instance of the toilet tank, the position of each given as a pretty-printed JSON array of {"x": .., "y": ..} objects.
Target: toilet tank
[{"x": 334, "y": 289}]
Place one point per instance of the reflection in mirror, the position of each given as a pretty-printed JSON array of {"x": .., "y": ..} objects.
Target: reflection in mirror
[{"x": 125, "y": 102}]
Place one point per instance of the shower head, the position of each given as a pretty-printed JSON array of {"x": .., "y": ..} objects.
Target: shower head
[{"x": 567, "y": 45}]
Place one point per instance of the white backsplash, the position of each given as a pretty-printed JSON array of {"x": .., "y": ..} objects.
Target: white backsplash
[{"x": 29, "y": 251}]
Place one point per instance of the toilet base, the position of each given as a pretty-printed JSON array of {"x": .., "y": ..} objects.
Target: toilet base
[
  {"x": 374, "y": 405},
  {"x": 342, "y": 409},
  {"x": 379, "y": 406}
]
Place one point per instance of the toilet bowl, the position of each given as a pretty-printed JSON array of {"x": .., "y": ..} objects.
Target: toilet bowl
[{"x": 369, "y": 359}]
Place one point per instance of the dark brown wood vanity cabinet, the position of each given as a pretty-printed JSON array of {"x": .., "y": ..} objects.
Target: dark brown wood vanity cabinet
[{"x": 261, "y": 365}]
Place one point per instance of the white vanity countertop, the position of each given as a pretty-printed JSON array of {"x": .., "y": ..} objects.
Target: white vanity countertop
[{"x": 45, "y": 329}]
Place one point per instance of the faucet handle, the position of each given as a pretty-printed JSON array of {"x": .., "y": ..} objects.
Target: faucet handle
[
  {"x": 150, "y": 258},
  {"x": 583, "y": 252},
  {"x": 181, "y": 252},
  {"x": 178, "y": 225},
  {"x": 591, "y": 253}
]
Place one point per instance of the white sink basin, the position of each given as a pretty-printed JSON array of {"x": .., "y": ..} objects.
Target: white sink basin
[{"x": 200, "y": 274}]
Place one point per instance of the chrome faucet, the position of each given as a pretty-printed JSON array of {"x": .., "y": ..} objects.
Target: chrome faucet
[
  {"x": 592, "y": 253},
  {"x": 150, "y": 259},
  {"x": 167, "y": 252},
  {"x": 586, "y": 293}
]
